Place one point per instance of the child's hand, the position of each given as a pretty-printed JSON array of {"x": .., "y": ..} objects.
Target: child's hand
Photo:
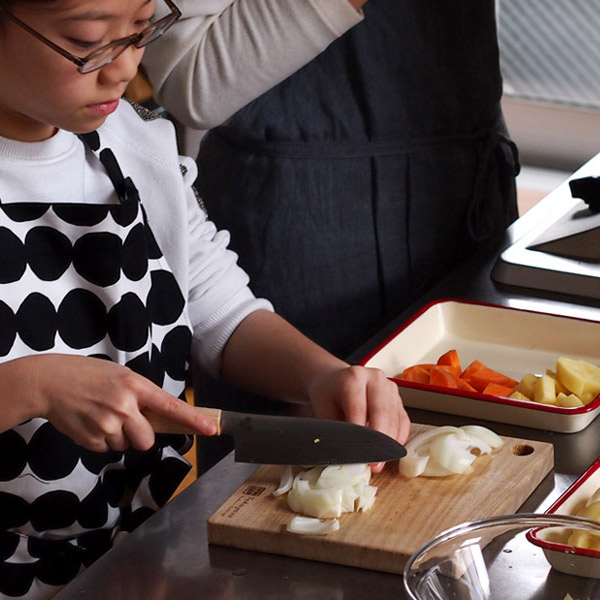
[
  {"x": 364, "y": 396},
  {"x": 96, "y": 402}
]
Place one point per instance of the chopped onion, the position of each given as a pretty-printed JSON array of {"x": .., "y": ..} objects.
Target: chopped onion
[
  {"x": 447, "y": 450},
  {"x": 418, "y": 447},
  {"x": 285, "y": 483},
  {"x": 320, "y": 503},
  {"x": 328, "y": 492},
  {"x": 455, "y": 453},
  {"x": 310, "y": 525},
  {"x": 483, "y": 433}
]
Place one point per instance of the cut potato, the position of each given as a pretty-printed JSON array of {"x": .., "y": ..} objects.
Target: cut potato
[
  {"x": 578, "y": 376},
  {"x": 526, "y": 385},
  {"x": 568, "y": 400},
  {"x": 588, "y": 397},
  {"x": 560, "y": 388},
  {"x": 585, "y": 539},
  {"x": 516, "y": 395},
  {"x": 544, "y": 390}
]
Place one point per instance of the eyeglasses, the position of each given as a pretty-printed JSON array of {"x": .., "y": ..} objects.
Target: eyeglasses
[{"x": 106, "y": 54}]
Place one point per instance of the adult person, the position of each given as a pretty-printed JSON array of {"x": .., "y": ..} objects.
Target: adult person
[{"x": 363, "y": 177}]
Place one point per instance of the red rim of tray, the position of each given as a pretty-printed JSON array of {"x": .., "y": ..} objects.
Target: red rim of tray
[
  {"x": 565, "y": 548},
  {"x": 527, "y": 404}
]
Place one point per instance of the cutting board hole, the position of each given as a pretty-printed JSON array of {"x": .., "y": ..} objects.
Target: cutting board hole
[{"x": 522, "y": 450}]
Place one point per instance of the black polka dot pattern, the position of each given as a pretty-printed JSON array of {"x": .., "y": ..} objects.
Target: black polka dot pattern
[
  {"x": 87, "y": 280},
  {"x": 12, "y": 257},
  {"x": 48, "y": 252},
  {"x": 81, "y": 318}
]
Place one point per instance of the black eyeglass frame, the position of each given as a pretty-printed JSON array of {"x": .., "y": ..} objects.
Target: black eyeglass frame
[{"x": 139, "y": 40}]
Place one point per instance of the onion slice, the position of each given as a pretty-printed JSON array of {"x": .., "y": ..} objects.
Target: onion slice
[
  {"x": 285, "y": 483},
  {"x": 312, "y": 526},
  {"x": 447, "y": 450},
  {"x": 328, "y": 492}
]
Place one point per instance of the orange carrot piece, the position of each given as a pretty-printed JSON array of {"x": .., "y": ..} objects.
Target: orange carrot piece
[
  {"x": 484, "y": 376},
  {"x": 495, "y": 389},
  {"x": 464, "y": 385},
  {"x": 442, "y": 378},
  {"x": 452, "y": 369},
  {"x": 416, "y": 373},
  {"x": 451, "y": 359},
  {"x": 472, "y": 368}
]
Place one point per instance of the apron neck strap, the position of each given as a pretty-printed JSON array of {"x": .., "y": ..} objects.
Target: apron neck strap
[{"x": 124, "y": 186}]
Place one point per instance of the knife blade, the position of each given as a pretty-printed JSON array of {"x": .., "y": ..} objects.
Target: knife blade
[{"x": 277, "y": 440}]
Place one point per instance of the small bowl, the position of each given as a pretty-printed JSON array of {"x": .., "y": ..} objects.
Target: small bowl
[
  {"x": 493, "y": 559},
  {"x": 561, "y": 556}
]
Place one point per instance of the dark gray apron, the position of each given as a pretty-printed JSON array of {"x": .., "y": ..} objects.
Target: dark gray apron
[{"x": 362, "y": 179}]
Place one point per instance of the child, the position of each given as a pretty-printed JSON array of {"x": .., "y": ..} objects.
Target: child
[{"x": 111, "y": 281}]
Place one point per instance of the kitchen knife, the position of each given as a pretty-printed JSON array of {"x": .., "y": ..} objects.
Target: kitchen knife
[{"x": 276, "y": 440}]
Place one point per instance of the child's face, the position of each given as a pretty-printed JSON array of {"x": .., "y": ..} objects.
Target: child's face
[{"x": 41, "y": 90}]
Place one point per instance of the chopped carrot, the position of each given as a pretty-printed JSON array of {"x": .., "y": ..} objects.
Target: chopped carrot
[
  {"x": 442, "y": 378},
  {"x": 483, "y": 376},
  {"x": 451, "y": 359},
  {"x": 464, "y": 385},
  {"x": 416, "y": 373},
  {"x": 495, "y": 389},
  {"x": 472, "y": 368},
  {"x": 452, "y": 369}
]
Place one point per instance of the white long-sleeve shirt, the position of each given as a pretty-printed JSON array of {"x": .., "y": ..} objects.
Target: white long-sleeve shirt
[
  {"x": 60, "y": 170},
  {"x": 223, "y": 54}
]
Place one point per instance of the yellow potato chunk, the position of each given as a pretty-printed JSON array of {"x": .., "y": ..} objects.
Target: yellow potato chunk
[
  {"x": 568, "y": 400},
  {"x": 544, "y": 390},
  {"x": 516, "y": 395},
  {"x": 560, "y": 388},
  {"x": 584, "y": 539},
  {"x": 588, "y": 397},
  {"x": 578, "y": 376},
  {"x": 526, "y": 385}
]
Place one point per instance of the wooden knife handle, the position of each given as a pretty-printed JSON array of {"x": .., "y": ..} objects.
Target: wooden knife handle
[{"x": 162, "y": 424}]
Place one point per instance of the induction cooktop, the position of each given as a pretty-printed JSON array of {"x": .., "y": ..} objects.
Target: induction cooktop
[{"x": 561, "y": 253}]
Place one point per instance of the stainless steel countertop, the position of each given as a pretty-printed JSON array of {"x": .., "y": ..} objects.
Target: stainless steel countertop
[{"x": 168, "y": 557}]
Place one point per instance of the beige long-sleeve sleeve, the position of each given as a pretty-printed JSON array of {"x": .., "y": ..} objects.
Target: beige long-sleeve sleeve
[{"x": 223, "y": 54}]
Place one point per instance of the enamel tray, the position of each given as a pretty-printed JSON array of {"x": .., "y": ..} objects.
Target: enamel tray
[
  {"x": 562, "y": 557},
  {"x": 512, "y": 341}
]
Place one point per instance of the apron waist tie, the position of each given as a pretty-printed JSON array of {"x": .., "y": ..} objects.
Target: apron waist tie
[
  {"x": 346, "y": 149},
  {"x": 476, "y": 207}
]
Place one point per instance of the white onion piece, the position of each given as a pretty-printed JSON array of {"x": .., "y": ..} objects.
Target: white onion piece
[
  {"x": 417, "y": 450},
  {"x": 366, "y": 498},
  {"x": 446, "y": 450},
  {"x": 344, "y": 475},
  {"x": 311, "y": 475},
  {"x": 434, "y": 469},
  {"x": 322, "y": 503},
  {"x": 312, "y": 526},
  {"x": 285, "y": 483},
  {"x": 491, "y": 438},
  {"x": 328, "y": 492},
  {"x": 426, "y": 436},
  {"x": 456, "y": 453}
]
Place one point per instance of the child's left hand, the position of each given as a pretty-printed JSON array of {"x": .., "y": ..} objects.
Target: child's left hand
[{"x": 364, "y": 396}]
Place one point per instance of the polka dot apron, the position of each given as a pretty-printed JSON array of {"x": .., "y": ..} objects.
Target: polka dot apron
[{"x": 90, "y": 280}]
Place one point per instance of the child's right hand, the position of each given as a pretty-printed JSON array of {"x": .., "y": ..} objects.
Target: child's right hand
[{"x": 95, "y": 402}]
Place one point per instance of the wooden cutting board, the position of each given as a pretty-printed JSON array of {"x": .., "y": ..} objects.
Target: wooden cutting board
[{"x": 406, "y": 513}]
